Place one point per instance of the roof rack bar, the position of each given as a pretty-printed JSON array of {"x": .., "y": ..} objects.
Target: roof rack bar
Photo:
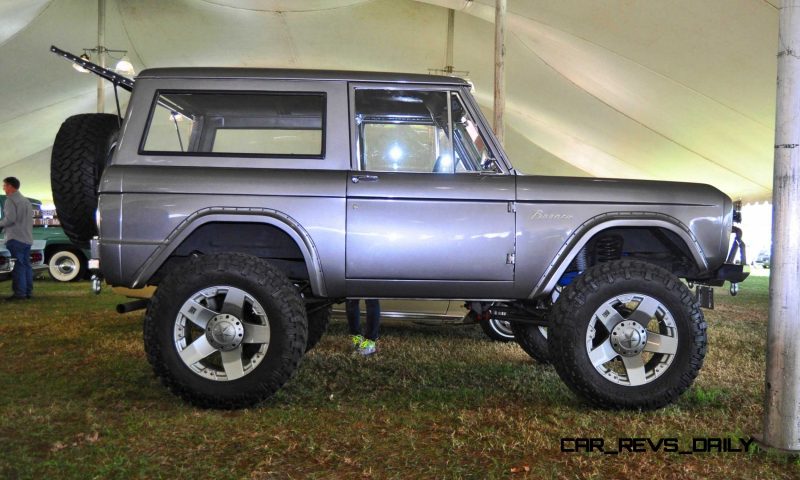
[{"x": 110, "y": 75}]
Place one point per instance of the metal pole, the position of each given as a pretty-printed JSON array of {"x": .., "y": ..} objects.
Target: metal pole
[
  {"x": 499, "y": 67},
  {"x": 101, "y": 52},
  {"x": 782, "y": 399},
  {"x": 451, "y": 28}
]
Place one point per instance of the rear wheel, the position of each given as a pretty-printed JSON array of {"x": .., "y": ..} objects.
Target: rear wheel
[
  {"x": 318, "y": 320},
  {"x": 498, "y": 330},
  {"x": 225, "y": 331},
  {"x": 628, "y": 334},
  {"x": 532, "y": 339},
  {"x": 66, "y": 266}
]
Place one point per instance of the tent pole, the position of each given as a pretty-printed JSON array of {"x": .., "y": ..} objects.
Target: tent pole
[
  {"x": 782, "y": 396},
  {"x": 499, "y": 67},
  {"x": 451, "y": 27},
  {"x": 101, "y": 52}
]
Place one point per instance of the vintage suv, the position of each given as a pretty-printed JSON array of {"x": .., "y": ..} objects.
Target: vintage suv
[{"x": 256, "y": 198}]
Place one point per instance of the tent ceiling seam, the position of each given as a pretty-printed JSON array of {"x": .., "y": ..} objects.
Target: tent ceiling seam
[
  {"x": 311, "y": 10},
  {"x": 26, "y": 27},
  {"x": 128, "y": 34},
  {"x": 45, "y": 107},
  {"x": 654, "y": 72},
  {"x": 768, "y": 2},
  {"x": 647, "y": 127}
]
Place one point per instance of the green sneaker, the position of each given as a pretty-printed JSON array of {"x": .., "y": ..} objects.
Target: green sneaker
[
  {"x": 367, "y": 347},
  {"x": 357, "y": 341}
]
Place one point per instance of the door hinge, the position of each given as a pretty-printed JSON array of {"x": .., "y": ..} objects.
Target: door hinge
[
  {"x": 512, "y": 207},
  {"x": 510, "y": 259}
]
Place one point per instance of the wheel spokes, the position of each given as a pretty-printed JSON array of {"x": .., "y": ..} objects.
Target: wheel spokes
[
  {"x": 198, "y": 314},
  {"x": 255, "y": 333},
  {"x": 609, "y": 316},
  {"x": 232, "y": 363},
  {"x": 198, "y": 350},
  {"x": 234, "y": 302},
  {"x": 657, "y": 343},
  {"x": 602, "y": 354},
  {"x": 645, "y": 311},
  {"x": 634, "y": 366},
  {"x": 218, "y": 312}
]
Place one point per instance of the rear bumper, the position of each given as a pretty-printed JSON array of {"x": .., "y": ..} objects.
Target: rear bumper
[
  {"x": 731, "y": 272},
  {"x": 6, "y": 274}
]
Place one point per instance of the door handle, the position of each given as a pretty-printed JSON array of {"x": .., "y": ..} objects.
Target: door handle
[{"x": 364, "y": 178}]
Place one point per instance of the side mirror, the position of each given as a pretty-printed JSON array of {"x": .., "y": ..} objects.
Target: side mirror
[{"x": 491, "y": 165}]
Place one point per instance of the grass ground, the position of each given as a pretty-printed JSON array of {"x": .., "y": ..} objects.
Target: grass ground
[{"x": 79, "y": 401}]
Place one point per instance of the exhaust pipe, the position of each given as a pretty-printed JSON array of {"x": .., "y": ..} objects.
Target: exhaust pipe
[{"x": 132, "y": 306}]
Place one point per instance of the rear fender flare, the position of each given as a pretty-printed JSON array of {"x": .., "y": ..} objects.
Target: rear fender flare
[{"x": 265, "y": 216}]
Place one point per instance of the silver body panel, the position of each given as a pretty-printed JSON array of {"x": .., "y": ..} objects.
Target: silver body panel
[{"x": 400, "y": 235}]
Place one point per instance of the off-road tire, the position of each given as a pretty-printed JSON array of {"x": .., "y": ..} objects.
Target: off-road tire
[
  {"x": 80, "y": 152},
  {"x": 318, "y": 321},
  {"x": 571, "y": 317},
  {"x": 532, "y": 340},
  {"x": 286, "y": 316},
  {"x": 496, "y": 332}
]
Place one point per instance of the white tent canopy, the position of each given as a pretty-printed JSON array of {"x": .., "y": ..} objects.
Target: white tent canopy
[{"x": 681, "y": 90}]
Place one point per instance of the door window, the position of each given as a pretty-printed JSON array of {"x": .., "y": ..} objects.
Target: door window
[{"x": 417, "y": 131}]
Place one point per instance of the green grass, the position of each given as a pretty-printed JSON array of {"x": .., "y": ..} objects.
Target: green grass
[{"x": 79, "y": 401}]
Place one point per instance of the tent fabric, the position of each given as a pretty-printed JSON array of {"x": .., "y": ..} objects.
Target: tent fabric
[{"x": 679, "y": 90}]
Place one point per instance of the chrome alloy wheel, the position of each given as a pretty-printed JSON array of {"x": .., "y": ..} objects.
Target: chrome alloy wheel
[
  {"x": 221, "y": 333},
  {"x": 502, "y": 328},
  {"x": 632, "y": 339}
]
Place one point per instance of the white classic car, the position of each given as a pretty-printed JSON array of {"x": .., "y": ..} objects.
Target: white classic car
[{"x": 7, "y": 263}]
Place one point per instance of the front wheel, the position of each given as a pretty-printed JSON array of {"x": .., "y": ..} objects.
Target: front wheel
[
  {"x": 225, "y": 331},
  {"x": 627, "y": 334}
]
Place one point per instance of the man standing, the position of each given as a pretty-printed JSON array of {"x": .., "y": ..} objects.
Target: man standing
[{"x": 17, "y": 222}]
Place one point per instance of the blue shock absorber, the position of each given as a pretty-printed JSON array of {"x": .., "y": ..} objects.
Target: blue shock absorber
[{"x": 581, "y": 262}]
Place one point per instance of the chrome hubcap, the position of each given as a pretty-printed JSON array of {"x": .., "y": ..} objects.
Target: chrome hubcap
[
  {"x": 65, "y": 266},
  {"x": 225, "y": 332},
  {"x": 628, "y": 338}
]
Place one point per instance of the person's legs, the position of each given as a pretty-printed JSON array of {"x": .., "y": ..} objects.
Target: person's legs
[
  {"x": 18, "y": 253},
  {"x": 353, "y": 317},
  {"x": 373, "y": 319},
  {"x": 28, "y": 271}
]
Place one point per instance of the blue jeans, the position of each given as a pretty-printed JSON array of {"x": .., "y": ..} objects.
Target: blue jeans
[
  {"x": 22, "y": 275},
  {"x": 373, "y": 318}
]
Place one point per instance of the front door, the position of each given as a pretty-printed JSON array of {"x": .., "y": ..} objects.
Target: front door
[{"x": 420, "y": 204}]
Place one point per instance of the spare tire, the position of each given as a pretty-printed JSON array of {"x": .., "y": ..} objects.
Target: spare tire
[{"x": 80, "y": 152}]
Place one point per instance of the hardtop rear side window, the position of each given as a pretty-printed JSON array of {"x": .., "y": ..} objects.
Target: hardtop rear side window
[{"x": 249, "y": 124}]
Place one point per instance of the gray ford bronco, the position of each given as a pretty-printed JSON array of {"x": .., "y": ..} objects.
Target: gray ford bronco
[{"x": 256, "y": 198}]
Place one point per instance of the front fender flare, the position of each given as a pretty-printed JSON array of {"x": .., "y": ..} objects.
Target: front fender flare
[{"x": 583, "y": 233}]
